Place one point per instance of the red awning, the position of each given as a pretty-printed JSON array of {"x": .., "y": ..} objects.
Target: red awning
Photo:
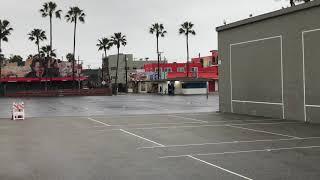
[{"x": 14, "y": 80}]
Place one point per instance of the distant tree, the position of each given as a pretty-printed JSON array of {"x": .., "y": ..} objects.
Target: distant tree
[
  {"x": 16, "y": 59},
  {"x": 47, "y": 51},
  {"x": 159, "y": 31},
  {"x": 74, "y": 15},
  {"x": 49, "y": 9},
  {"x": 117, "y": 40},
  {"x": 69, "y": 57},
  {"x": 5, "y": 31},
  {"x": 105, "y": 44},
  {"x": 187, "y": 30},
  {"x": 37, "y": 35}
]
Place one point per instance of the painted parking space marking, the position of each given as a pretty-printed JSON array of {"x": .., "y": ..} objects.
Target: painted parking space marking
[
  {"x": 127, "y": 132},
  {"x": 91, "y": 119},
  {"x": 193, "y": 119},
  {"x": 221, "y": 168},
  {"x": 241, "y": 152},
  {"x": 214, "y": 125},
  {"x": 229, "y": 142},
  {"x": 267, "y": 132}
]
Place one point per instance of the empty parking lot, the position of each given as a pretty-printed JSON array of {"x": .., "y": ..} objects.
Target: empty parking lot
[{"x": 158, "y": 146}]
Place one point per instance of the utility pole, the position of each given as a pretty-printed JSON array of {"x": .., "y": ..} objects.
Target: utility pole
[
  {"x": 78, "y": 71},
  {"x": 126, "y": 64},
  {"x": 102, "y": 69}
]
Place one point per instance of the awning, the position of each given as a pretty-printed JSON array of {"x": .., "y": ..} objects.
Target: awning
[{"x": 61, "y": 79}]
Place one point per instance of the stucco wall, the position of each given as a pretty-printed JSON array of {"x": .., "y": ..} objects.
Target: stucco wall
[{"x": 270, "y": 67}]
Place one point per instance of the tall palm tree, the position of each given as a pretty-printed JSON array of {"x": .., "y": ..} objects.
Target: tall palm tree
[
  {"x": 159, "y": 31},
  {"x": 49, "y": 9},
  {"x": 105, "y": 44},
  {"x": 37, "y": 35},
  {"x": 187, "y": 29},
  {"x": 5, "y": 31},
  {"x": 74, "y": 15},
  {"x": 117, "y": 40}
]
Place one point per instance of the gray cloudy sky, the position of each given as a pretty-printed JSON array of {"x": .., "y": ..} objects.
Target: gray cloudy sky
[{"x": 133, "y": 18}]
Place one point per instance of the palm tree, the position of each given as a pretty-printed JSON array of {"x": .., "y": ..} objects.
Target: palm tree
[
  {"x": 74, "y": 15},
  {"x": 37, "y": 35},
  {"x": 117, "y": 40},
  {"x": 69, "y": 57},
  {"x": 47, "y": 51},
  {"x": 159, "y": 31},
  {"x": 5, "y": 31},
  {"x": 105, "y": 44},
  {"x": 187, "y": 29},
  {"x": 49, "y": 9}
]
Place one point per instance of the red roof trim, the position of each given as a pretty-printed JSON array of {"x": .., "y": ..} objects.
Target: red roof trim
[{"x": 13, "y": 80}]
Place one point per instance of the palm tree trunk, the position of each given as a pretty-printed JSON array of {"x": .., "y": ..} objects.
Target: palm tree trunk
[
  {"x": 38, "y": 49},
  {"x": 187, "y": 56},
  {"x": 158, "y": 57},
  {"x": 116, "y": 81},
  {"x": 0, "y": 60},
  {"x": 74, "y": 52},
  {"x": 107, "y": 67},
  {"x": 51, "y": 34}
]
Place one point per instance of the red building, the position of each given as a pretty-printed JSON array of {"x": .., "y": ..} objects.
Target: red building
[{"x": 202, "y": 68}]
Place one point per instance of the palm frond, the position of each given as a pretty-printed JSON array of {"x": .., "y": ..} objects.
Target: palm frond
[{"x": 58, "y": 14}]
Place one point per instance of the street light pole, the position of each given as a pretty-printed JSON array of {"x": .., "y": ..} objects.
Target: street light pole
[
  {"x": 78, "y": 71},
  {"x": 126, "y": 64}
]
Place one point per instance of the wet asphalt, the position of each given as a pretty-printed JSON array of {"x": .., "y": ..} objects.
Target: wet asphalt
[{"x": 142, "y": 141}]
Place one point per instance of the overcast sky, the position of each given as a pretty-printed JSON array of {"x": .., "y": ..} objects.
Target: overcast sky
[{"x": 133, "y": 18}]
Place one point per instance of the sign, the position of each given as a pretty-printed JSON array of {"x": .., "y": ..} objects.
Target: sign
[{"x": 18, "y": 111}]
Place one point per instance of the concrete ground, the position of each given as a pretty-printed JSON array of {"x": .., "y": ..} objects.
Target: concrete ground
[
  {"x": 173, "y": 146},
  {"x": 114, "y": 105}
]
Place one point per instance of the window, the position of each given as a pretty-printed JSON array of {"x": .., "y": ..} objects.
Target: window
[
  {"x": 128, "y": 68},
  {"x": 181, "y": 69},
  {"x": 156, "y": 69},
  {"x": 194, "y": 85},
  {"x": 134, "y": 68},
  {"x": 168, "y": 69},
  {"x": 194, "y": 69}
]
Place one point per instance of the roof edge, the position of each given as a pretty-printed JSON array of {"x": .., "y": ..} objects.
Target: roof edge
[{"x": 270, "y": 15}]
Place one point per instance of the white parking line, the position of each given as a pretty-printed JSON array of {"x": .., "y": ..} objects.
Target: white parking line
[
  {"x": 266, "y": 132},
  {"x": 150, "y": 124},
  {"x": 229, "y": 142},
  {"x": 141, "y": 137},
  {"x": 221, "y": 168},
  {"x": 99, "y": 122},
  {"x": 216, "y": 125},
  {"x": 188, "y": 118},
  {"x": 240, "y": 152}
]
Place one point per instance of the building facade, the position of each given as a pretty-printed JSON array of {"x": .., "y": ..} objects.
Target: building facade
[
  {"x": 125, "y": 62},
  {"x": 269, "y": 64},
  {"x": 199, "y": 68}
]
